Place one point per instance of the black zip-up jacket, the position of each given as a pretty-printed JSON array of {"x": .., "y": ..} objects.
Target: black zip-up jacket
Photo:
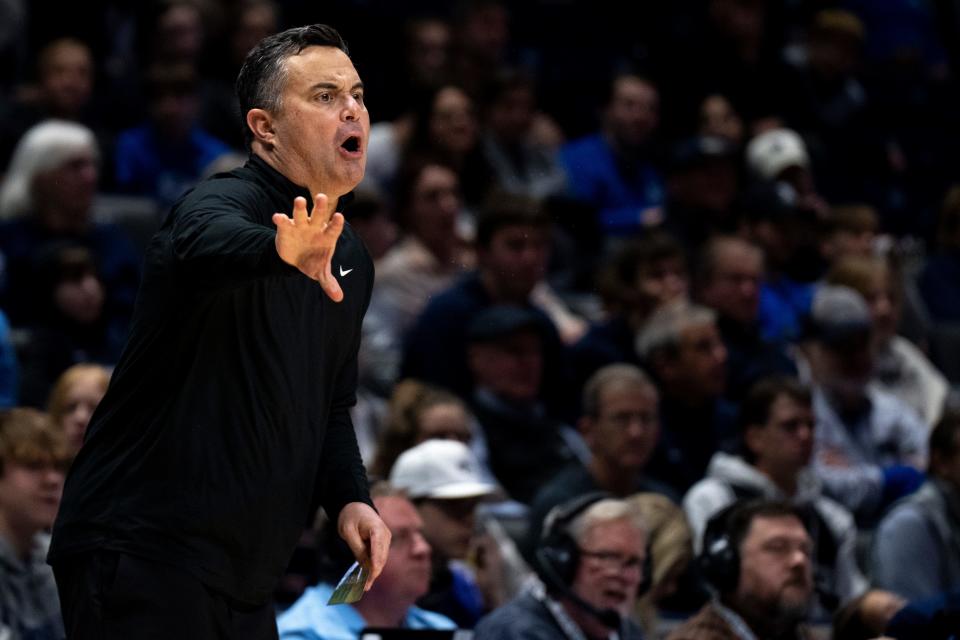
[{"x": 227, "y": 419}]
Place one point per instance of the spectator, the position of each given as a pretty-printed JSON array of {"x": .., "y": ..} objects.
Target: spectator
[
  {"x": 682, "y": 348},
  {"x": 444, "y": 481},
  {"x": 729, "y": 278},
  {"x": 868, "y": 445},
  {"x": 592, "y": 560},
  {"x": 757, "y": 558},
  {"x": 670, "y": 546},
  {"x": 612, "y": 169},
  {"x": 849, "y": 231},
  {"x": 166, "y": 156},
  {"x": 644, "y": 274},
  {"x": 777, "y": 446},
  {"x": 940, "y": 278},
  {"x": 427, "y": 260},
  {"x": 47, "y": 196},
  {"x": 419, "y": 412},
  {"x": 719, "y": 118},
  {"x": 792, "y": 259},
  {"x": 64, "y": 90},
  {"x": 34, "y": 456},
  {"x": 512, "y": 251},
  {"x": 526, "y": 445},
  {"x": 75, "y": 397},
  {"x": 621, "y": 426},
  {"x": 901, "y": 368},
  {"x": 390, "y": 601},
  {"x": 917, "y": 546},
  {"x": 780, "y": 156},
  {"x": 702, "y": 186},
  {"x": 73, "y": 324},
  {"x": 520, "y": 164}
]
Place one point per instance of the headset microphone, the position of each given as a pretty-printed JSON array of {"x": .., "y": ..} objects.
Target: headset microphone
[{"x": 608, "y": 617}]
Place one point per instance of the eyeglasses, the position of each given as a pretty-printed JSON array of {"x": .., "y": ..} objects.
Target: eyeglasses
[{"x": 613, "y": 561}]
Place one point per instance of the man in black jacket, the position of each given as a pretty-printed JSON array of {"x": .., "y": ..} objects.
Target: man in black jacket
[{"x": 227, "y": 421}]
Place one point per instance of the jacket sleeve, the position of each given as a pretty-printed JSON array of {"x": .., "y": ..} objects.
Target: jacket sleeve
[
  {"x": 217, "y": 240},
  {"x": 341, "y": 477},
  {"x": 906, "y": 555},
  {"x": 859, "y": 487}
]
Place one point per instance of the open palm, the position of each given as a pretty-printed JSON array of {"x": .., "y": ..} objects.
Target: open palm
[{"x": 307, "y": 241}]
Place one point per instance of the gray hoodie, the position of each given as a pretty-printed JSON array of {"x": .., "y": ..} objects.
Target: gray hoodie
[{"x": 730, "y": 477}]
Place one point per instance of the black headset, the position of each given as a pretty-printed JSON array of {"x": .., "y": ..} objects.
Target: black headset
[
  {"x": 558, "y": 553},
  {"x": 719, "y": 559}
]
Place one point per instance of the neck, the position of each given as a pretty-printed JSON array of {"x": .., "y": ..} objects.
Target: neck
[
  {"x": 612, "y": 479},
  {"x": 783, "y": 479},
  {"x": 299, "y": 177},
  {"x": 20, "y": 540},
  {"x": 380, "y": 609},
  {"x": 586, "y": 622},
  {"x": 497, "y": 293}
]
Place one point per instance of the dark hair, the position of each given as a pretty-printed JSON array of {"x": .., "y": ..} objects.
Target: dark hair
[
  {"x": 617, "y": 279},
  {"x": 755, "y": 409},
  {"x": 507, "y": 210},
  {"x": 706, "y": 266},
  {"x": 405, "y": 182},
  {"x": 740, "y": 519},
  {"x": 260, "y": 82},
  {"x": 943, "y": 438}
]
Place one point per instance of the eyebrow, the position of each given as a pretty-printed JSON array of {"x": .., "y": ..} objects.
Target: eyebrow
[{"x": 334, "y": 86}]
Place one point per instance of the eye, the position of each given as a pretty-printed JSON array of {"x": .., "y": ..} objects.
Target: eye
[
  {"x": 324, "y": 97},
  {"x": 358, "y": 96}
]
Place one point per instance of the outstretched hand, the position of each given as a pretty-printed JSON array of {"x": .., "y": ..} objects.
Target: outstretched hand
[
  {"x": 307, "y": 241},
  {"x": 367, "y": 536}
]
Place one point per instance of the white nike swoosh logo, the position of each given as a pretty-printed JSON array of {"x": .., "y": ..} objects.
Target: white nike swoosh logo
[{"x": 342, "y": 272}]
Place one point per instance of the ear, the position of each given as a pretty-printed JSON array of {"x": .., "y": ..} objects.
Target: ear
[
  {"x": 586, "y": 426},
  {"x": 753, "y": 438},
  {"x": 260, "y": 123}
]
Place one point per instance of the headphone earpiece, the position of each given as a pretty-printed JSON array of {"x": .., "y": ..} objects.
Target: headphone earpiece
[
  {"x": 719, "y": 559},
  {"x": 558, "y": 553}
]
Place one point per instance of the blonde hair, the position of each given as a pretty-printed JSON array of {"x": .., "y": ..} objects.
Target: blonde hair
[
  {"x": 29, "y": 436},
  {"x": 57, "y": 402}
]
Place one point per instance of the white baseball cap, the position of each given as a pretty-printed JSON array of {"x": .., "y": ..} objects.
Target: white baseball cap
[
  {"x": 771, "y": 152},
  {"x": 439, "y": 469}
]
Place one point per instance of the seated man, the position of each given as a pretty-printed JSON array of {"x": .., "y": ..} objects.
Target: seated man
[
  {"x": 917, "y": 547},
  {"x": 389, "y": 602},
  {"x": 505, "y": 356},
  {"x": 592, "y": 559},
  {"x": 33, "y": 458},
  {"x": 621, "y": 425},
  {"x": 682, "y": 348},
  {"x": 868, "y": 445},
  {"x": 444, "y": 481},
  {"x": 777, "y": 444},
  {"x": 757, "y": 559}
]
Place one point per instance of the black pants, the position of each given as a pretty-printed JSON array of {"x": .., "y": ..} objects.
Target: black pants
[{"x": 108, "y": 595}]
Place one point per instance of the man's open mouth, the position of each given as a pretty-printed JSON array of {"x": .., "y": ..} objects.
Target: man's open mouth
[{"x": 351, "y": 144}]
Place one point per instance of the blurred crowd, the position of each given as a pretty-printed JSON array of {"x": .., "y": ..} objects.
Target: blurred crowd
[{"x": 665, "y": 331}]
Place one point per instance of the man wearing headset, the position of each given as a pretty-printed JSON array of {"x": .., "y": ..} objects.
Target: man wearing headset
[
  {"x": 756, "y": 559},
  {"x": 592, "y": 560}
]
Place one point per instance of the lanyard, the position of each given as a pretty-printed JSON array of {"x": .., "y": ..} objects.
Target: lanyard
[{"x": 562, "y": 618}]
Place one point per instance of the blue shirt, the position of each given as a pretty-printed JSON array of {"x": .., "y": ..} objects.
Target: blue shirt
[
  {"x": 596, "y": 178},
  {"x": 310, "y": 618}
]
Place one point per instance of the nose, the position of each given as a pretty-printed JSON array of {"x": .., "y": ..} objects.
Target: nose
[
  {"x": 420, "y": 546},
  {"x": 351, "y": 108}
]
